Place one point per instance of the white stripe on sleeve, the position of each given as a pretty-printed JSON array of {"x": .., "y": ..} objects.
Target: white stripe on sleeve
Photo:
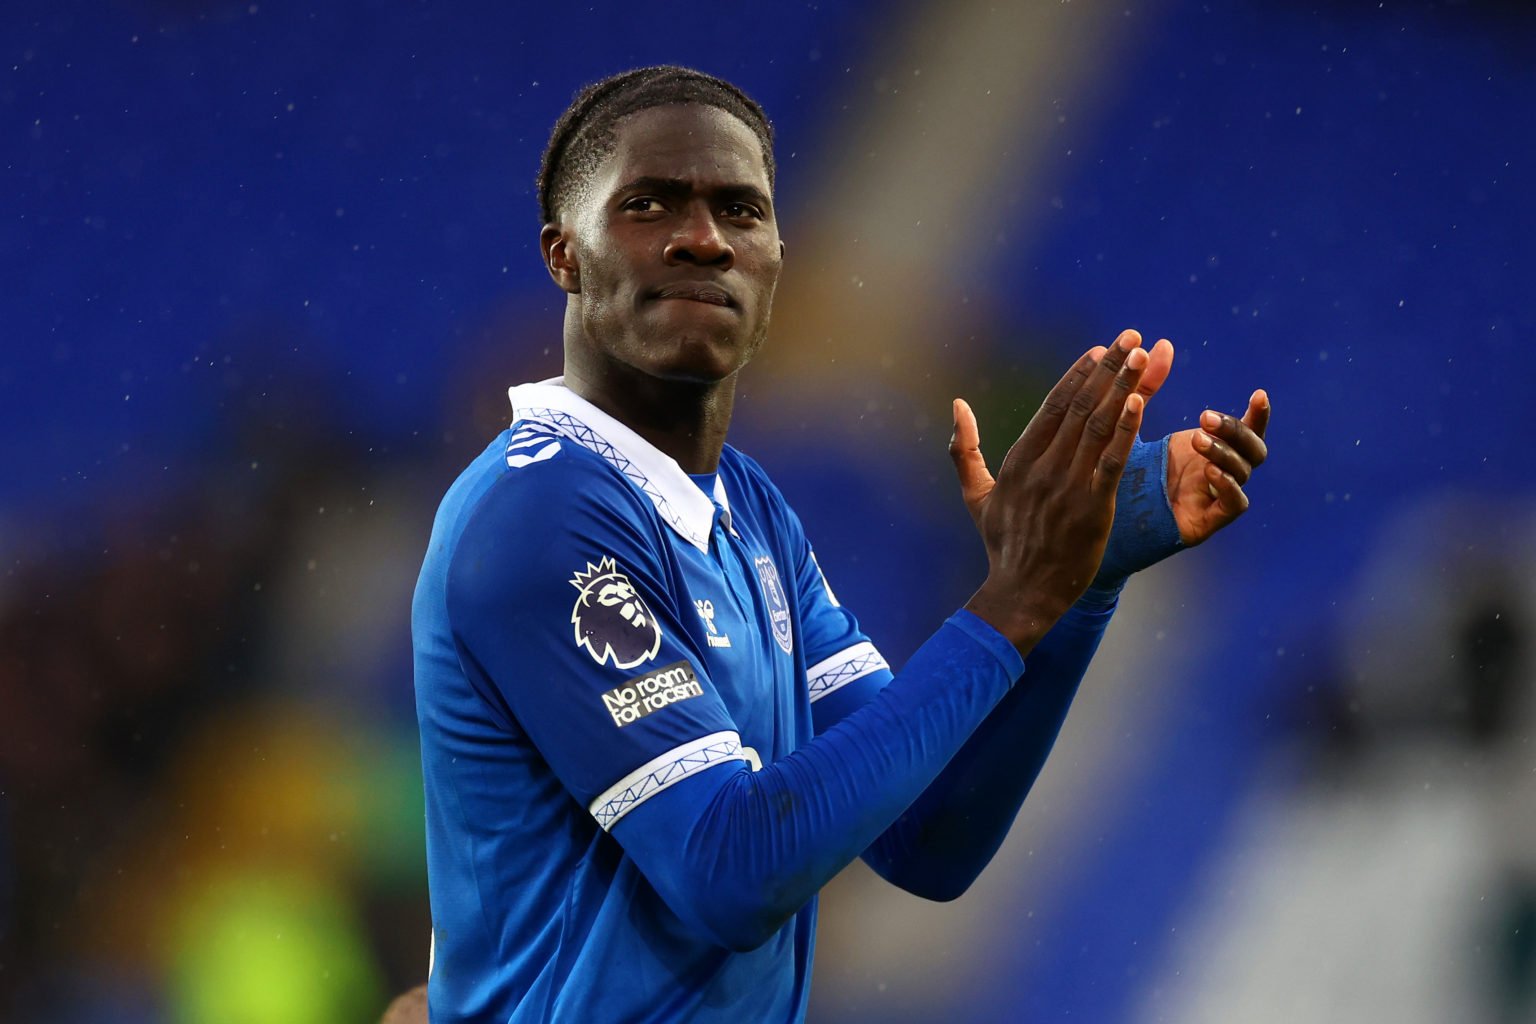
[
  {"x": 842, "y": 668},
  {"x": 658, "y": 773}
]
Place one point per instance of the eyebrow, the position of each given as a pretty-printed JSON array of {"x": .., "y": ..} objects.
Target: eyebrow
[{"x": 683, "y": 187}]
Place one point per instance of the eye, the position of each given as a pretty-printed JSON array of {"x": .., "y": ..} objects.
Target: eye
[
  {"x": 642, "y": 204},
  {"x": 742, "y": 211}
]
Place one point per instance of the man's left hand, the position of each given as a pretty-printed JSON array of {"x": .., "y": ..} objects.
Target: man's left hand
[{"x": 1208, "y": 466}]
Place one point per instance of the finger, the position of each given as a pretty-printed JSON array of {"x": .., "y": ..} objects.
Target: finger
[
  {"x": 1047, "y": 419},
  {"x": 1236, "y": 433},
  {"x": 1100, "y": 428},
  {"x": 965, "y": 449},
  {"x": 1065, "y": 444},
  {"x": 1222, "y": 455},
  {"x": 1159, "y": 364},
  {"x": 1257, "y": 416},
  {"x": 1227, "y": 493},
  {"x": 1112, "y": 461}
]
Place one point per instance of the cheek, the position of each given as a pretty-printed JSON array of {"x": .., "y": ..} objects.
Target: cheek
[
  {"x": 601, "y": 281},
  {"x": 767, "y": 271},
  {"x": 611, "y": 272},
  {"x": 758, "y": 256}
]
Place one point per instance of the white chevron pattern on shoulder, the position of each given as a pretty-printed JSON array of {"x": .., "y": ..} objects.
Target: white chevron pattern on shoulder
[{"x": 529, "y": 446}]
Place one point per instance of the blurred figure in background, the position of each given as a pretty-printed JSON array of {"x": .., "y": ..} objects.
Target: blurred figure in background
[
  {"x": 1387, "y": 868},
  {"x": 408, "y": 1008},
  {"x": 210, "y": 833}
]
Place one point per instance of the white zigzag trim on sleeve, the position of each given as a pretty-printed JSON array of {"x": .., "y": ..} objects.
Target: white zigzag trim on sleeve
[
  {"x": 842, "y": 668},
  {"x": 658, "y": 773}
]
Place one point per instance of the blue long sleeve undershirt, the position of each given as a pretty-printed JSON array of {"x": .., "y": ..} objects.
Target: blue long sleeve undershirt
[
  {"x": 923, "y": 780},
  {"x": 736, "y": 852},
  {"x": 939, "y": 846},
  {"x": 944, "y": 840}
]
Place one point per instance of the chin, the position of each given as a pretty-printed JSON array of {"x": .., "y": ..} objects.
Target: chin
[{"x": 699, "y": 360}]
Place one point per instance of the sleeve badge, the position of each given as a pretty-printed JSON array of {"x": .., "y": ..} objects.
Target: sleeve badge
[{"x": 610, "y": 619}]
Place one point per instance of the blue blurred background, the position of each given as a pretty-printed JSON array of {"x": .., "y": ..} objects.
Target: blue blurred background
[{"x": 267, "y": 269}]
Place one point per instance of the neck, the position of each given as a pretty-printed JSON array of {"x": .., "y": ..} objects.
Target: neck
[{"x": 685, "y": 419}]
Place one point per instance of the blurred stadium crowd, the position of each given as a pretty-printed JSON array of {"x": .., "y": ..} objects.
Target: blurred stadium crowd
[{"x": 211, "y": 797}]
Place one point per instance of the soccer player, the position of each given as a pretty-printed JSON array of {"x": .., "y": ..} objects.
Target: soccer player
[{"x": 650, "y": 733}]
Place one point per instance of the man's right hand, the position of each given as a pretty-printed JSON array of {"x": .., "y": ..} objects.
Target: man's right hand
[{"x": 1045, "y": 518}]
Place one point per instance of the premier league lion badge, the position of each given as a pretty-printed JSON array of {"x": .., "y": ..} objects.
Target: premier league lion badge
[
  {"x": 610, "y": 619},
  {"x": 778, "y": 604}
]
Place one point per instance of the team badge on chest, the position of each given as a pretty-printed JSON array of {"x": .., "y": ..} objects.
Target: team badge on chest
[
  {"x": 777, "y": 602},
  {"x": 610, "y": 619}
]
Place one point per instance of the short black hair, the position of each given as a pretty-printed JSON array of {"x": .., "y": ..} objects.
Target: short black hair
[{"x": 583, "y": 136}]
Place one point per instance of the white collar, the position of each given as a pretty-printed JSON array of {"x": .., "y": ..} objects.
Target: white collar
[{"x": 677, "y": 498}]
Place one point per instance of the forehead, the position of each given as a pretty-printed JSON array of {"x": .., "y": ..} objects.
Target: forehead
[{"x": 692, "y": 142}]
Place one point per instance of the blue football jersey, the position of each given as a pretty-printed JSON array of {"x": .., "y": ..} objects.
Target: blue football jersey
[{"x": 591, "y": 627}]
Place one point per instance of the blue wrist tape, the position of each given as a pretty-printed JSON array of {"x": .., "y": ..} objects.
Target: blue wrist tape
[{"x": 1145, "y": 531}]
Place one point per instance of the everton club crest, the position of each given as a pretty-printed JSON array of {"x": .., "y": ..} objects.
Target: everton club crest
[
  {"x": 777, "y": 602},
  {"x": 610, "y": 619}
]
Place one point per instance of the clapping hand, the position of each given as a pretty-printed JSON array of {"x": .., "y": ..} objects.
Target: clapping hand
[
  {"x": 1208, "y": 465},
  {"x": 1046, "y": 517}
]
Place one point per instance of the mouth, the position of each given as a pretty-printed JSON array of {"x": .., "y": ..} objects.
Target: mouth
[{"x": 696, "y": 291}]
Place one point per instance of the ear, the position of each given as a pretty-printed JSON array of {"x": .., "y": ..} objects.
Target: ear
[{"x": 558, "y": 247}]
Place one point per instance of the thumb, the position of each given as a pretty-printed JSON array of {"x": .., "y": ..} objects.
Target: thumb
[
  {"x": 1159, "y": 364},
  {"x": 1257, "y": 416},
  {"x": 965, "y": 449}
]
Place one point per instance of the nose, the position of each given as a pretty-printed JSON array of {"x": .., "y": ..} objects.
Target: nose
[{"x": 699, "y": 240}]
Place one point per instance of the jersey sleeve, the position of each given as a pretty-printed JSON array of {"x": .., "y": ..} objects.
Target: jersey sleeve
[{"x": 566, "y": 619}]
